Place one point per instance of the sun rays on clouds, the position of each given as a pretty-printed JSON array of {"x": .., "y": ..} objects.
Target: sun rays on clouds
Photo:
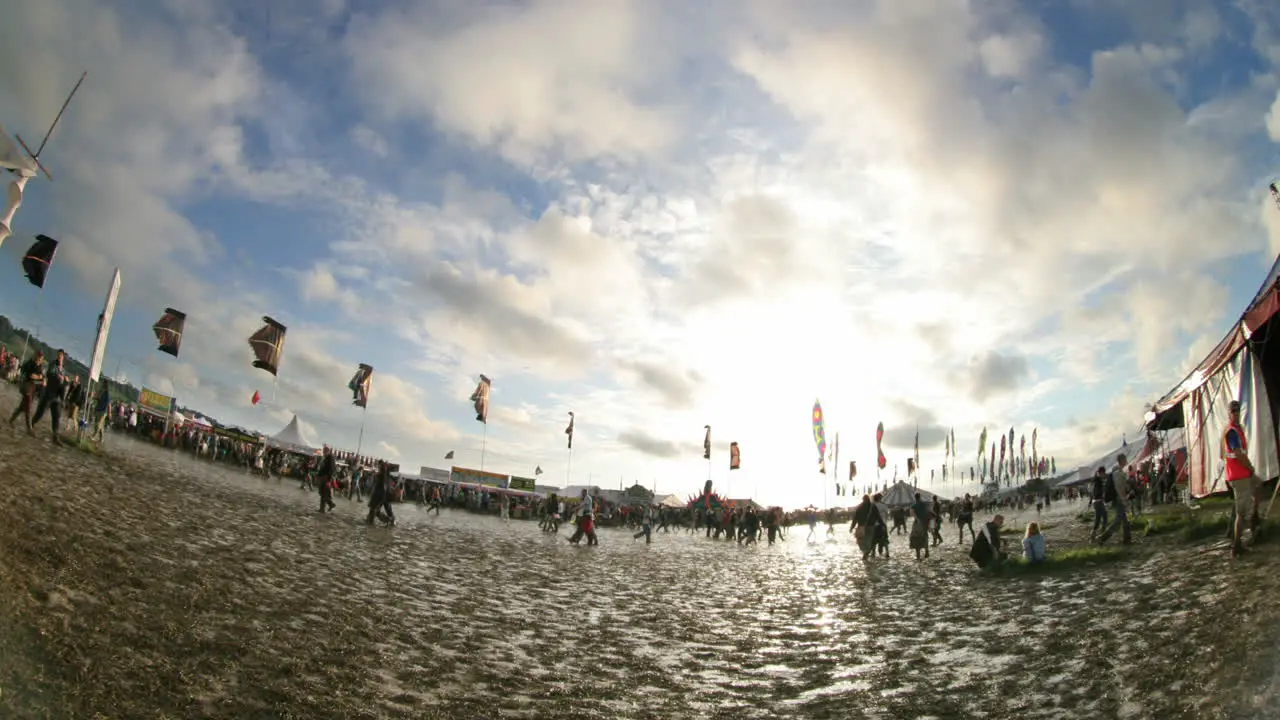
[{"x": 656, "y": 215}]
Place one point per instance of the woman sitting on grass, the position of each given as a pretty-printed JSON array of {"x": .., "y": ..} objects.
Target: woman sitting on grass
[{"x": 1033, "y": 544}]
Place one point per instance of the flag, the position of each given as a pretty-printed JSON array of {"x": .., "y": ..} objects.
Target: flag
[
  {"x": 820, "y": 436},
  {"x": 268, "y": 345},
  {"x": 706, "y": 443},
  {"x": 569, "y": 431},
  {"x": 853, "y": 470},
  {"x": 982, "y": 445},
  {"x": 917, "y": 447},
  {"x": 880, "y": 458},
  {"x": 911, "y": 466},
  {"x": 104, "y": 328},
  {"x": 1001, "y": 465},
  {"x": 448, "y": 455},
  {"x": 537, "y": 470},
  {"x": 480, "y": 400},
  {"x": 953, "y": 442},
  {"x": 39, "y": 259},
  {"x": 359, "y": 385},
  {"x": 168, "y": 330},
  {"x": 256, "y": 397},
  {"x": 835, "y": 459},
  {"x": 735, "y": 456}
]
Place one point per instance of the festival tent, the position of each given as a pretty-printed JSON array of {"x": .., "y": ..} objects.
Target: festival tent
[
  {"x": 1241, "y": 367},
  {"x": 903, "y": 493},
  {"x": 673, "y": 501},
  {"x": 294, "y": 438}
]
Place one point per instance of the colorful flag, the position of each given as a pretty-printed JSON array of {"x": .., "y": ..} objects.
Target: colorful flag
[
  {"x": 982, "y": 445},
  {"x": 820, "y": 436},
  {"x": 911, "y": 466},
  {"x": 39, "y": 259},
  {"x": 360, "y": 384},
  {"x": 256, "y": 397},
  {"x": 881, "y": 461},
  {"x": 853, "y": 470},
  {"x": 569, "y": 431},
  {"x": 480, "y": 399},
  {"x": 168, "y": 330},
  {"x": 735, "y": 457},
  {"x": 268, "y": 345},
  {"x": 706, "y": 443},
  {"x": 953, "y": 442}
]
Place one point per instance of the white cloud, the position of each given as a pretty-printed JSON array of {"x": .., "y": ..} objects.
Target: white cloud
[{"x": 656, "y": 218}]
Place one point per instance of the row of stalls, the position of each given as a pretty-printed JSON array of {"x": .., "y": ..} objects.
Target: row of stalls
[{"x": 1244, "y": 366}]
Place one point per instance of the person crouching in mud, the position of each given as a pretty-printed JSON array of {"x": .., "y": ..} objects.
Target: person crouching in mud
[
  {"x": 380, "y": 496},
  {"x": 986, "y": 550},
  {"x": 586, "y": 522}
]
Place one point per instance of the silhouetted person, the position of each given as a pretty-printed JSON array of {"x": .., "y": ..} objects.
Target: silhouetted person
[
  {"x": 32, "y": 382},
  {"x": 55, "y": 389}
]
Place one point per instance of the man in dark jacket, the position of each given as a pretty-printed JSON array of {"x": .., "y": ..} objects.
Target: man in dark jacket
[
  {"x": 328, "y": 468},
  {"x": 986, "y": 550},
  {"x": 380, "y": 496},
  {"x": 32, "y": 383},
  {"x": 55, "y": 388}
]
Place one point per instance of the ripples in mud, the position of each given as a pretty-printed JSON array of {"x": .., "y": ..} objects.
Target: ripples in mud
[{"x": 146, "y": 584}]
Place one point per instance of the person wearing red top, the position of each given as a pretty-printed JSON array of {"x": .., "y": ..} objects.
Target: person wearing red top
[{"x": 1240, "y": 475}]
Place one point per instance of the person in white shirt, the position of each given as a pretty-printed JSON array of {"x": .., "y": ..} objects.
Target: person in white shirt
[{"x": 646, "y": 526}]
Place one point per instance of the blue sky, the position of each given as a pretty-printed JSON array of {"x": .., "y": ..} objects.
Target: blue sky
[{"x": 656, "y": 215}]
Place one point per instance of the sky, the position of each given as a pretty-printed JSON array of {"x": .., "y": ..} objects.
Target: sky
[{"x": 657, "y": 215}]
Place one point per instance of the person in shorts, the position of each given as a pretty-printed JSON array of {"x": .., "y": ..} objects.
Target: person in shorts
[{"x": 1240, "y": 476}]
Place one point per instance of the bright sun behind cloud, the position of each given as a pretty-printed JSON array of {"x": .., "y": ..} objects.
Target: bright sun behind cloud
[{"x": 658, "y": 216}]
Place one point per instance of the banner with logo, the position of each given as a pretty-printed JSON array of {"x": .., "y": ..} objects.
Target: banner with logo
[{"x": 150, "y": 401}]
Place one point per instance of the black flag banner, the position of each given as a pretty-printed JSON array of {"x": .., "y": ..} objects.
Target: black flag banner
[
  {"x": 268, "y": 345},
  {"x": 735, "y": 456},
  {"x": 706, "y": 444},
  {"x": 359, "y": 385},
  {"x": 569, "y": 431},
  {"x": 38, "y": 259},
  {"x": 480, "y": 400},
  {"x": 168, "y": 330},
  {"x": 448, "y": 455},
  {"x": 853, "y": 470}
]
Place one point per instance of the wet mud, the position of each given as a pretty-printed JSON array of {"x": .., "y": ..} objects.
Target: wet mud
[{"x": 146, "y": 584}]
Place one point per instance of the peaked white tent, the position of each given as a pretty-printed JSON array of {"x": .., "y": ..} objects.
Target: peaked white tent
[
  {"x": 902, "y": 493},
  {"x": 292, "y": 437}
]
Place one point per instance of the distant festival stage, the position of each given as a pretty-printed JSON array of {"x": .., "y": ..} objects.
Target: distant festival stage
[{"x": 145, "y": 583}]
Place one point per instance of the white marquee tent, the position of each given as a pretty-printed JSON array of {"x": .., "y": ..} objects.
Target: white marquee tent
[{"x": 294, "y": 438}]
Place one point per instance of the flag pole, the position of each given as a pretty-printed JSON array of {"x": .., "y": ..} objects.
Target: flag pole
[
  {"x": 360, "y": 441},
  {"x": 26, "y": 339},
  {"x": 484, "y": 443},
  {"x": 568, "y": 473}
]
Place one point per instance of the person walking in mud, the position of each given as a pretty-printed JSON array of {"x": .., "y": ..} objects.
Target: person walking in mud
[
  {"x": 585, "y": 522},
  {"x": 328, "y": 468},
  {"x": 433, "y": 500},
  {"x": 965, "y": 518},
  {"x": 102, "y": 413},
  {"x": 919, "y": 537},
  {"x": 1116, "y": 493},
  {"x": 1098, "y": 498},
  {"x": 937, "y": 521},
  {"x": 380, "y": 496},
  {"x": 55, "y": 388},
  {"x": 646, "y": 526},
  {"x": 865, "y": 519},
  {"x": 1241, "y": 478},
  {"x": 32, "y": 382}
]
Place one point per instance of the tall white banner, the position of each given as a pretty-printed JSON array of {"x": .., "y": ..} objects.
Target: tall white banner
[{"x": 104, "y": 327}]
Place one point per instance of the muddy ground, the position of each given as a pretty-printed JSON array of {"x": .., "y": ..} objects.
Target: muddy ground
[{"x": 146, "y": 584}]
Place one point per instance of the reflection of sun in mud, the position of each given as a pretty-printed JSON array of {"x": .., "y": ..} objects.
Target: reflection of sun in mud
[{"x": 153, "y": 584}]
